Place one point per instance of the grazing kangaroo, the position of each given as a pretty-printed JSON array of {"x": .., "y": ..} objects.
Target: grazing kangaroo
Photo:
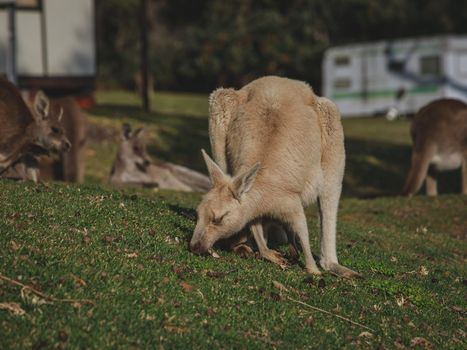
[
  {"x": 439, "y": 135},
  {"x": 68, "y": 166},
  {"x": 26, "y": 134},
  {"x": 284, "y": 148},
  {"x": 133, "y": 166}
]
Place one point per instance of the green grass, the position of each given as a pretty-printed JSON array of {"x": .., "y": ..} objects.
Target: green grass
[
  {"x": 378, "y": 151},
  {"x": 127, "y": 253}
]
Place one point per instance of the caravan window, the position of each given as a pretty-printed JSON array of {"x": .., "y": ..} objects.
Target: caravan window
[
  {"x": 341, "y": 60},
  {"x": 430, "y": 65},
  {"x": 342, "y": 83},
  {"x": 462, "y": 65}
]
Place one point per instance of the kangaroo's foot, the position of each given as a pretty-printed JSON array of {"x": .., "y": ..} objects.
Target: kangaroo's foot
[
  {"x": 243, "y": 250},
  {"x": 275, "y": 257},
  {"x": 341, "y": 271},
  {"x": 313, "y": 270}
]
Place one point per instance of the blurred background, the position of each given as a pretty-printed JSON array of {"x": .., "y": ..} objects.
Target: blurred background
[{"x": 152, "y": 63}]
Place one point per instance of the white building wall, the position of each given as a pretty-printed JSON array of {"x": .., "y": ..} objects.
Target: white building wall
[
  {"x": 70, "y": 37},
  {"x": 29, "y": 52},
  {"x": 3, "y": 40},
  {"x": 69, "y": 40}
]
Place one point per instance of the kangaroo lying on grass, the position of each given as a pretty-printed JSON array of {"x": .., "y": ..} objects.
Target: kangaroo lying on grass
[
  {"x": 284, "y": 148},
  {"x": 133, "y": 166},
  {"x": 26, "y": 134},
  {"x": 439, "y": 135}
]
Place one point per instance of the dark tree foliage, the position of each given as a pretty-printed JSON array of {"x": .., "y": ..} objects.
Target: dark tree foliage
[{"x": 199, "y": 45}]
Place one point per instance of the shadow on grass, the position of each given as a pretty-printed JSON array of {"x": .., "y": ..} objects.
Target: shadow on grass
[
  {"x": 181, "y": 136},
  {"x": 188, "y": 213},
  {"x": 375, "y": 169}
]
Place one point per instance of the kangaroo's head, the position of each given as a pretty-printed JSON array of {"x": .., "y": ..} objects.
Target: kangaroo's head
[
  {"x": 47, "y": 131},
  {"x": 132, "y": 151},
  {"x": 222, "y": 212}
]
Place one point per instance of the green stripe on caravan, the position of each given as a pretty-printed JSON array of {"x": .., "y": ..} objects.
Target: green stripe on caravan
[{"x": 385, "y": 93}]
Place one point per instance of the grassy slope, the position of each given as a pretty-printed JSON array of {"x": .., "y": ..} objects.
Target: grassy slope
[{"x": 127, "y": 253}]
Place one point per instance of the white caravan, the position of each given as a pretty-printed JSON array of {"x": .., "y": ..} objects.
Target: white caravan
[{"x": 373, "y": 78}]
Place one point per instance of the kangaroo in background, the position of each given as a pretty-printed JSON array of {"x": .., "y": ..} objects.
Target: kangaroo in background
[
  {"x": 284, "y": 148},
  {"x": 439, "y": 135},
  {"x": 133, "y": 166},
  {"x": 26, "y": 134},
  {"x": 68, "y": 166}
]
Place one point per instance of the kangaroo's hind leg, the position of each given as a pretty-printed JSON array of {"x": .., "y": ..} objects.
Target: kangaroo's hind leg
[
  {"x": 431, "y": 182},
  {"x": 418, "y": 170},
  {"x": 464, "y": 174},
  {"x": 328, "y": 204}
]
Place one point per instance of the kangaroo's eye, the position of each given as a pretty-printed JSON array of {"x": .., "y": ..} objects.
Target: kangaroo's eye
[
  {"x": 55, "y": 130},
  {"x": 218, "y": 220},
  {"x": 136, "y": 149}
]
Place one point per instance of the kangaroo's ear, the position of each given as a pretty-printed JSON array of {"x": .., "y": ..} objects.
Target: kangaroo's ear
[
  {"x": 126, "y": 131},
  {"x": 138, "y": 133},
  {"x": 41, "y": 105},
  {"x": 215, "y": 173},
  {"x": 243, "y": 182}
]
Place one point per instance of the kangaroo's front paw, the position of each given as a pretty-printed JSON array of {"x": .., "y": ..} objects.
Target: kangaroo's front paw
[
  {"x": 243, "y": 250},
  {"x": 276, "y": 258},
  {"x": 341, "y": 271}
]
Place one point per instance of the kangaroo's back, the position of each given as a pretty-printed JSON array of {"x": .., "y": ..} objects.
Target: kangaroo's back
[
  {"x": 277, "y": 127},
  {"x": 442, "y": 122},
  {"x": 15, "y": 116}
]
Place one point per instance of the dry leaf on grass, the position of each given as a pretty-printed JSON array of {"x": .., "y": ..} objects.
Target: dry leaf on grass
[
  {"x": 176, "y": 329},
  {"x": 187, "y": 287},
  {"x": 365, "y": 334},
  {"x": 132, "y": 255},
  {"x": 79, "y": 281},
  {"x": 420, "y": 341},
  {"x": 13, "y": 308},
  {"x": 182, "y": 271},
  {"x": 14, "y": 246},
  {"x": 211, "y": 312},
  {"x": 280, "y": 286},
  {"x": 30, "y": 297},
  {"x": 76, "y": 304},
  {"x": 423, "y": 271},
  {"x": 397, "y": 343},
  {"x": 108, "y": 238},
  {"x": 213, "y": 253}
]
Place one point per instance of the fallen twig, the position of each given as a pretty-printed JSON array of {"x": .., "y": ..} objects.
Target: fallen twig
[
  {"x": 330, "y": 313},
  {"x": 42, "y": 295}
]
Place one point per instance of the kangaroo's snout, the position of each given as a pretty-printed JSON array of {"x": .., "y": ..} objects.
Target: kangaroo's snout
[
  {"x": 198, "y": 248},
  {"x": 66, "y": 146}
]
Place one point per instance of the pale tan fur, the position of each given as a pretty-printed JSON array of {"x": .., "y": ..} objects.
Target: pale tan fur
[
  {"x": 133, "y": 166},
  {"x": 283, "y": 148},
  {"x": 439, "y": 135}
]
